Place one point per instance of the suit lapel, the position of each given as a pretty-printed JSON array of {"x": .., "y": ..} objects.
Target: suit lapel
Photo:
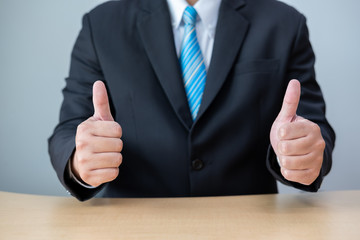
[
  {"x": 156, "y": 32},
  {"x": 231, "y": 30}
]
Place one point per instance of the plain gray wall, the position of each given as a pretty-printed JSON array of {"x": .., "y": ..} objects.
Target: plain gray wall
[{"x": 36, "y": 38}]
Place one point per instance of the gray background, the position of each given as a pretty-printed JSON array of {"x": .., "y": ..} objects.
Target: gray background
[{"x": 36, "y": 38}]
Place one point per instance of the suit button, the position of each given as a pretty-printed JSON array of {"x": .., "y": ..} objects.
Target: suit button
[{"x": 197, "y": 164}]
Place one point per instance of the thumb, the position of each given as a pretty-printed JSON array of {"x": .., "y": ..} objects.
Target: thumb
[
  {"x": 291, "y": 101},
  {"x": 101, "y": 102}
]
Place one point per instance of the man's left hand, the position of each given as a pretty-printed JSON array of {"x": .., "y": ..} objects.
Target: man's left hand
[{"x": 297, "y": 142}]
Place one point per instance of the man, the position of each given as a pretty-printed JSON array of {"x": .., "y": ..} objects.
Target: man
[{"x": 194, "y": 101}]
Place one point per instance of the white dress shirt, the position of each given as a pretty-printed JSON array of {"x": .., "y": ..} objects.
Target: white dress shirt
[{"x": 208, "y": 12}]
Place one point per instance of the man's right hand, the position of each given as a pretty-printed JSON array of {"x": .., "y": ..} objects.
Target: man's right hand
[{"x": 97, "y": 157}]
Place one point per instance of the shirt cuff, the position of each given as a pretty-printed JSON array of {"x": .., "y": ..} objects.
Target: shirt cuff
[{"x": 72, "y": 176}]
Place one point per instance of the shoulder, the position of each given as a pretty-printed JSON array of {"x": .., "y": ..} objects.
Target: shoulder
[
  {"x": 115, "y": 8},
  {"x": 273, "y": 14},
  {"x": 273, "y": 5},
  {"x": 273, "y": 10},
  {"x": 114, "y": 5},
  {"x": 111, "y": 14}
]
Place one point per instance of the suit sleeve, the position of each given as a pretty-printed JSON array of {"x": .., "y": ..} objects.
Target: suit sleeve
[
  {"x": 311, "y": 106},
  {"x": 76, "y": 107}
]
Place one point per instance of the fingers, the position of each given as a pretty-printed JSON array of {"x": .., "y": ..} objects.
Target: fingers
[
  {"x": 106, "y": 145},
  {"x": 96, "y": 153},
  {"x": 99, "y": 136},
  {"x": 296, "y": 147},
  {"x": 303, "y": 169},
  {"x": 107, "y": 160},
  {"x": 300, "y": 149},
  {"x": 299, "y": 138},
  {"x": 99, "y": 176},
  {"x": 100, "y": 128},
  {"x": 290, "y": 102},
  {"x": 105, "y": 129},
  {"x": 100, "y": 160},
  {"x": 302, "y": 162},
  {"x": 301, "y": 159},
  {"x": 101, "y": 102},
  {"x": 294, "y": 130},
  {"x": 98, "y": 146}
]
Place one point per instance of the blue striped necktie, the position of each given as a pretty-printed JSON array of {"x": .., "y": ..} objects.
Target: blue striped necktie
[{"x": 192, "y": 63}]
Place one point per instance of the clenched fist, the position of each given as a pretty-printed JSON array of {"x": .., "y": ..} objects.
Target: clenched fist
[
  {"x": 297, "y": 142},
  {"x": 97, "y": 157}
]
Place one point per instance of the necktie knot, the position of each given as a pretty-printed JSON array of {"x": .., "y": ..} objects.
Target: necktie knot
[{"x": 189, "y": 16}]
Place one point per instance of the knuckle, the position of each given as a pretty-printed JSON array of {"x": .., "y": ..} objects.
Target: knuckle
[
  {"x": 306, "y": 182},
  {"x": 285, "y": 173},
  {"x": 285, "y": 162},
  {"x": 284, "y": 147},
  {"x": 282, "y": 132},
  {"x": 319, "y": 145},
  {"x": 121, "y": 145},
  {"x": 117, "y": 129},
  {"x": 310, "y": 177},
  {"x": 316, "y": 171},
  {"x": 82, "y": 128},
  {"x": 113, "y": 173},
  {"x": 322, "y": 144},
  {"x": 86, "y": 176},
  {"x": 83, "y": 159},
  {"x": 315, "y": 128},
  {"x": 117, "y": 145},
  {"x": 120, "y": 159},
  {"x": 95, "y": 181},
  {"x": 116, "y": 160},
  {"x": 319, "y": 159},
  {"x": 80, "y": 144}
]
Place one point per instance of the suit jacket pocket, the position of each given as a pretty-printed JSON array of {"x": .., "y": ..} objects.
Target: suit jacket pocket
[{"x": 257, "y": 66}]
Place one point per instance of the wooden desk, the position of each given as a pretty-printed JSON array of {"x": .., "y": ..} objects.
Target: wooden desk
[{"x": 327, "y": 215}]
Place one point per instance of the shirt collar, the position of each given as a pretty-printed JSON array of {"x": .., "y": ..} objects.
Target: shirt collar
[{"x": 208, "y": 12}]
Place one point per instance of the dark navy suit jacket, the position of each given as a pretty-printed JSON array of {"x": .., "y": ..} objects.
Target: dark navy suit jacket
[{"x": 259, "y": 46}]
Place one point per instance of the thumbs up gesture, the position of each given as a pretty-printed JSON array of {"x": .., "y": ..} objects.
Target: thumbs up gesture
[
  {"x": 97, "y": 157},
  {"x": 297, "y": 142}
]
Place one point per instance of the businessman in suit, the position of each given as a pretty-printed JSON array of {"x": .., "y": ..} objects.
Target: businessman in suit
[{"x": 138, "y": 133}]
